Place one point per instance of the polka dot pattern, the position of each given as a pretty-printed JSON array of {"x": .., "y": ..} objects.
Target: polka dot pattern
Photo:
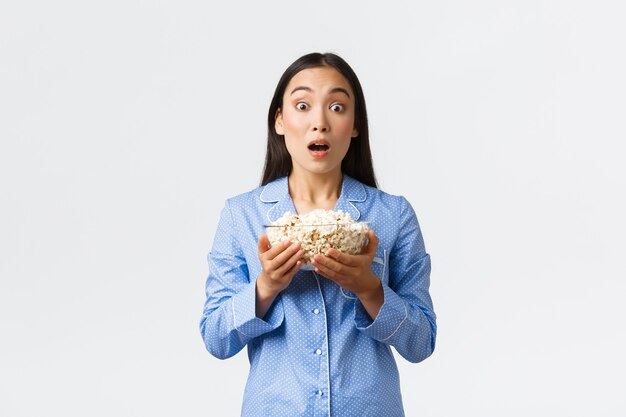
[{"x": 317, "y": 352}]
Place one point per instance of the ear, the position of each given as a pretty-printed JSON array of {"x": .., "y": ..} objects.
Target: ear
[
  {"x": 278, "y": 123},
  {"x": 355, "y": 132}
]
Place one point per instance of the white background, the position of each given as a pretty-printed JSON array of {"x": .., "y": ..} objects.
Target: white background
[{"x": 125, "y": 124}]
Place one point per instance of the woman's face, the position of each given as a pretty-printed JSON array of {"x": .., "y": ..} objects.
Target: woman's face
[{"x": 317, "y": 120}]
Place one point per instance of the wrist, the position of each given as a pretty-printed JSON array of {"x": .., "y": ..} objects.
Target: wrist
[
  {"x": 265, "y": 297},
  {"x": 265, "y": 288},
  {"x": 373, "y": 292}
]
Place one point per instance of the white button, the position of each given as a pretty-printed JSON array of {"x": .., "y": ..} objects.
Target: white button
[
  {"x": 318, "y": 352},
  {"x": 316, "y": 311},
  {"x": 319, "y": 392}
]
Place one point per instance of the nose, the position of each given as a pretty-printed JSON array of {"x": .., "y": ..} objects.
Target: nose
[{"x": 320, "y": 124}]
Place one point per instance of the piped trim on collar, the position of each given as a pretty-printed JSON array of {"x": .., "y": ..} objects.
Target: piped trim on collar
[
  {"x": 353, "y": 189},
  {"x": 277, "y": 191}
]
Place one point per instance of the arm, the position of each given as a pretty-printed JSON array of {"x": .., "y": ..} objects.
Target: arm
[
  {"x": 406, "y": 319},
  {"x": 280, "y": 263},
  {"x": 229, "y": 319}
]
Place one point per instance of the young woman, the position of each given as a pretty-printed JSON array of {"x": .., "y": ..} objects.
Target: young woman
[{"x": 319, "y": 341}]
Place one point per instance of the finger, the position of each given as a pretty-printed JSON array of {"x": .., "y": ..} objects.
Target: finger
[
  {"x": 286, "y": 270},
  {"x": 372, "y": 244},
  {"x": 264, "y": 243},
  {"x": 343, "y": 258},
  {"x": 286, "y": 259},
  {"x": 273, "y": 250},
  {"x": 327, "y": 272},
  {"x": 321, "y": 269},
  {"x": 330, "y": 264},
  {"x": 295, "y": 268}
]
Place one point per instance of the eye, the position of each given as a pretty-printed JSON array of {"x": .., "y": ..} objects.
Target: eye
[
  {"x": 302, "y": 106},
  {"x": 337, "y": 107}
]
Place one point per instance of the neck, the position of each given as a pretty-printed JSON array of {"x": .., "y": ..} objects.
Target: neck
[{"x": 316, "y": 189}]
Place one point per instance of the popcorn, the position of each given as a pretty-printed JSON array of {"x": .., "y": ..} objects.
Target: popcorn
[{"x": 318, "y": 231}]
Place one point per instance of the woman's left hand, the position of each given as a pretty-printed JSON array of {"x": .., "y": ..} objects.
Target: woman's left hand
[{"x": 352, "y": 272}]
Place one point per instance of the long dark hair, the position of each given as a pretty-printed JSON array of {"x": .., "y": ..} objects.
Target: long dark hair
[{"x": 358, "y": 161}]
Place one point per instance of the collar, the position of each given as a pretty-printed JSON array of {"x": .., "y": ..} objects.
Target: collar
[{"x": 277, "y": 192}]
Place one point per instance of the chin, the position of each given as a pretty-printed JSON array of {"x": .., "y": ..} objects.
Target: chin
[{"x": 319, "y": 168}]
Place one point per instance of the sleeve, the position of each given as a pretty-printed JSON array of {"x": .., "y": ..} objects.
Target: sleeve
[
  {"x": 406, "y": 320},
  {"x": 229, "y": 319}
]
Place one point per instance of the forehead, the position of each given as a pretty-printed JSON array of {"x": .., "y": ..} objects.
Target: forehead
[{"x": 319, "y": 80}]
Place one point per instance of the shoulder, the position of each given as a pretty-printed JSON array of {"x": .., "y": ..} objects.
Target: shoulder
[
  {"x": 359, "y": 192},
  {"x": 387, "y": 213},
  {"x": 386, "y": 201},
  {"x": 271, "y": 192},
  {"x": 254, "y": 202},
  {"x": 246, "y": 197},
  {"x": 241, "y": 205}
]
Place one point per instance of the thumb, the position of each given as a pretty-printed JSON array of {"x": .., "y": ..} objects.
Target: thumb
[
  {"x": 372, "y": 244},
  {"x": 264, "y": 243}
]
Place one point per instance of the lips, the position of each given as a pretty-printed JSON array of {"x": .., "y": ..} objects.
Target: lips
[
  {"x": 319, "y": 145},
  {"x": 319, "y": 148}
]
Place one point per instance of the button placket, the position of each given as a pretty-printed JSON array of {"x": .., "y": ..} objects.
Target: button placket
[{"x": 323, "y": 391}]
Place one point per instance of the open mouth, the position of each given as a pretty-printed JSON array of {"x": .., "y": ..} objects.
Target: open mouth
[{"x": 318, "y": 147}]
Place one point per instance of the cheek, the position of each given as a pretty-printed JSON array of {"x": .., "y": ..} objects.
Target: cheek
[
  {"x": 291, "y": 143},
  {"x": 293, "y": 124},
  {"x": 345, "y": 127},
  {"x": 344, "y": 131}
]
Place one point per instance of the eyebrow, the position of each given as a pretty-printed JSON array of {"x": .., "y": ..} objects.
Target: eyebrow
[{"x": 308, "y": 89}]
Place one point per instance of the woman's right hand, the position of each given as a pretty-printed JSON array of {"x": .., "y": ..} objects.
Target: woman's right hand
[{"x": 280, "y": 263}]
